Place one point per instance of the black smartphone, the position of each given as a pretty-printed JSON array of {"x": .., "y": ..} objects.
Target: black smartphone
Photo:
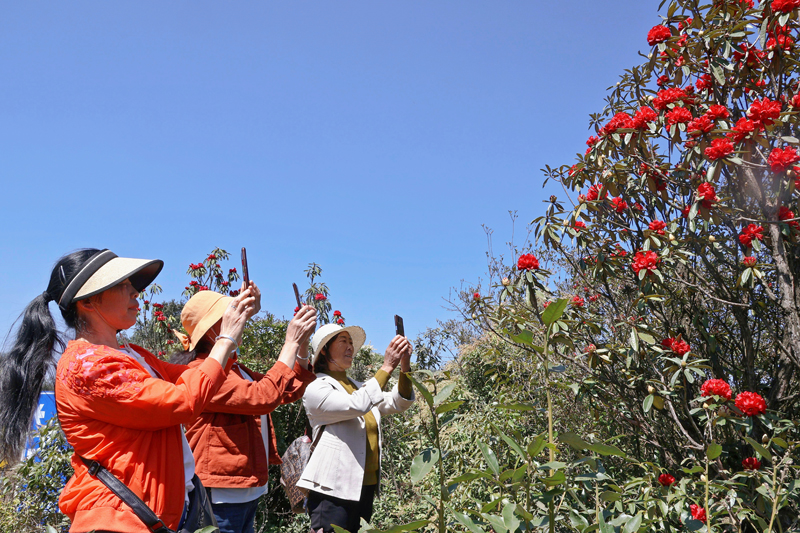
[
  {"x": 398, "y": 326},
  {"x": 245, "y": 272},
  {"x": 296, "y": 295}
]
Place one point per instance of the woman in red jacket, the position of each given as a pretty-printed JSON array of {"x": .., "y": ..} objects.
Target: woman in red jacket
[
  {"x": 233, "y": 439},
  {"x": 118, "y": 405}
]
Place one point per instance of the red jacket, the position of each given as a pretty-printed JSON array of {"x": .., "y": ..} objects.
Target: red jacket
[
  {"x": 226, "y": 439},
  {"x": 113, "y": 411}
]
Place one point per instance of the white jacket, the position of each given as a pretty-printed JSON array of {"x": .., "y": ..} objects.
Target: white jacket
[{"x": 336, "y": 467}]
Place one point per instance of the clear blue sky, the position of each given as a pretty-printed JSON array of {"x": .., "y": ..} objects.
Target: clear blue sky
[{"x": 374, "y": 138}]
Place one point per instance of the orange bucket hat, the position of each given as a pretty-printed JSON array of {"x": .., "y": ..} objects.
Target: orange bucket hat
[{"x": 200, "y": 313}]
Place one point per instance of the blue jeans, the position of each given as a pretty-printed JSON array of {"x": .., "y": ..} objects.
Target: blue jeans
[{"x": 236, "y": 517}]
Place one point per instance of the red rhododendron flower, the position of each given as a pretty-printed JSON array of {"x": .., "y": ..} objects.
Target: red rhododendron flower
[
  {"x": 595, "y": 191},
  {"x": 319, "y": 297},
  {"x": 658, "y": 34},
  {"x": 658, "y": 226},
  {"x": 699, "y": 126},
  {"x": 234, "y": 293},
  {"x": 782, "y": 6},
  {"x": 751, "y": 403},
  {"x": 680, "y": 347},
  {"x": 620, "y": 120},
  {"x": 751, "y": 463},
  {"x": 232, "y": 270},
  {"x": 592, "y": 141},
  {"x": 662, "y": 80},
  {"x": 679, "y": 115},
  {"x": 719, "y": 148},
  {"x": 716, "y": 387},
  {"x": 642, "y": 117},
  {"x": 577, "y": 301},
  {"x": 527, "y": 262},
  {"x": 685, "y": 23},
  {"x": 784, "y": 213},
  {"x": 666, "y": 480},
  {"x": 707, "y": 194},
  {"x": 717, "y": 112},
  {"x": 337, "y": 313},
  {"x": 158, "y": 306},
  {"x": 594, "y": 297},
  {"x": 669, "y": 96},
  {"x": 476, "y": 296},
  {"x": 796, "y": 100},
  {"x": 698, "y": 513},
  {"x": 579, "y": 225},
  {"x": 645, "y": 261},
  {"x": 749, "y": 261},
  {"x": 211, "y": 257},
  {"x": 764, "y": 112},
  {"x": 704, "y": 82},
  {"x": 749, "y": 233},
  {"x": 620, "y": 205},
  {"x": 544, "y": 305},
  {"x": 742, "y": 129},
  {"x": 781, "y": 159},
  {"x": 340, "y": 321}
]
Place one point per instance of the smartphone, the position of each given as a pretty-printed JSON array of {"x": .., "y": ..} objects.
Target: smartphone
[
  {"x": 296, "y": 295},
  {"x": 245, "y": 272},
  {"x": 398, "y": 325}
]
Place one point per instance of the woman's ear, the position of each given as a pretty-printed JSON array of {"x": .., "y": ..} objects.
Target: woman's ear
[{"x": 84, "y": 305}]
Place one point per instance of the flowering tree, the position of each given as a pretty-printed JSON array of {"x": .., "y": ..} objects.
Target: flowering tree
[{"x": 680, "y": 318}]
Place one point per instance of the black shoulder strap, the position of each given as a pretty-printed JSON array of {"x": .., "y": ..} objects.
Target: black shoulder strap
[{"x": 125, "y": 494}]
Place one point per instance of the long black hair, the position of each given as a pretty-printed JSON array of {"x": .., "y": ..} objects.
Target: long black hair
[{"x": 26, "y": 365}]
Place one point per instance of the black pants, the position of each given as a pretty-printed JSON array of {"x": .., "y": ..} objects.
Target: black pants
[{"x": 326, "y": 510}]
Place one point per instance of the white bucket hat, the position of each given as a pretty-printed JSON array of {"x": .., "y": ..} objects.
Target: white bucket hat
[
  {"x": 103, "y": 270},
  {"x": 329, "y": 331}
]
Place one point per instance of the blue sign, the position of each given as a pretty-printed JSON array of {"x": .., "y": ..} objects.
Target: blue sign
[{"x": 44, "y": 412}]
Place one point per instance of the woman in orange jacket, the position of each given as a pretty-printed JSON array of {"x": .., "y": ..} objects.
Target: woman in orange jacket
[
  {"x": 118, "y": 405},
  {"x": 233, "y": 440}
]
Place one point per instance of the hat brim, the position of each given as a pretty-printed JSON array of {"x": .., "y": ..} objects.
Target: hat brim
[
  {"x": 358, "y": 335},
  {"x": 141, "y": 273},
  {"x": 213, "y": 316}
]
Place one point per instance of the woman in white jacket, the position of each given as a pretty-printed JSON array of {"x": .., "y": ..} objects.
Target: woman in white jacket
[{"x": 343, "y": 473}]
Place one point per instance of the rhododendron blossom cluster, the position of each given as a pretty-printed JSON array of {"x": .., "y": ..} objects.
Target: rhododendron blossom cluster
[
  {"x": 658, "y": 34},
  {"x": 527, "y": 262},
  {"x": 679, "y": 346},
  {"x": 780, "y": 160},
  {"x": 645, "y": 261},
  {"x": 750, "y": 403},
  {"x": 716, "y": 387},
  {"x": 749, "y": 233}
]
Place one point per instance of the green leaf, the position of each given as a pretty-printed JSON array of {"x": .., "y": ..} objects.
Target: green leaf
[
  {"x": 525, "y": 337},
  {"x": 496, "y": 522},
  {"x": 605, "y": 527},
  {"x": 510, "y": 518},
  {"x": 646, "y": 337},
  {"x": 554, "y": 311},
  {"x": 633, "y": 524},
  {"x": 610, "y": 496},
  {"x": 557, "y": 478},
  {"x": 449, "y": 406},
  {"x": 573, "y": 440},
  {"x": 579, "y": 522},
  {"x": 760, "y": 449},
  {"x": 207, "y": 529},
  {"x": 647, "y": 404},
  {"x": 718, "y": 74},
  {"x": 634, "y": 340},
  {"x": 422, "y": 390},
  {"x": 512, "y": 444},
  {"x": 537, "y": 445},
  {"x": 466, "y": 521},
  {"x": 606, "y": 449},
  {"x": 443, "y": 394},
  {"x": 423, "y": 463},
  {"x": 490, "y": 457},
  {"x": 714, "y": 450}
]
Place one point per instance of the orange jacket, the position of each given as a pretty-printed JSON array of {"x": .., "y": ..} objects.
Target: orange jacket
[
  {"x": 113, "y": 411},
  {"x": 226, "y": 439}
]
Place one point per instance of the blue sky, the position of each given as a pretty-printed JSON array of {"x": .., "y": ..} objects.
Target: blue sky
[{"x": 374, "y": 138}]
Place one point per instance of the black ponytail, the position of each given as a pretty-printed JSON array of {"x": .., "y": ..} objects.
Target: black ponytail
[{"x": 26, "y": 365}]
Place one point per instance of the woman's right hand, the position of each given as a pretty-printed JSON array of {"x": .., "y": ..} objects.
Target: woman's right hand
[
  {"x": 398, "y": 347},
  {"x": 239, "y": 312},
  {"x": 302, "y": 325}
]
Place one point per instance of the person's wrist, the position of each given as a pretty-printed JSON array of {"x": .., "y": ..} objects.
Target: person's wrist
[{"x": 387, "y": 368}]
